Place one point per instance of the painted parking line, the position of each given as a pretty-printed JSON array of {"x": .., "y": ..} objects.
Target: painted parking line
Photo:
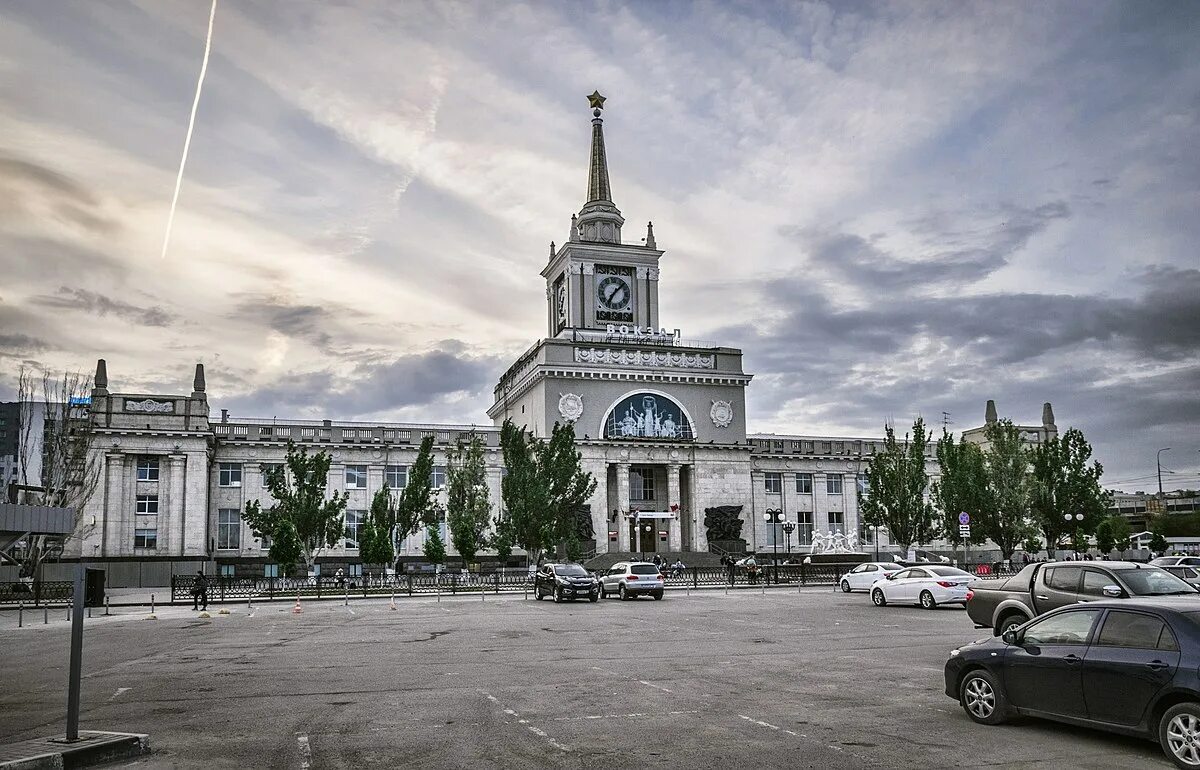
[
  {"x": 524, "y": 722},
  {"x": 305, "y": 751}
]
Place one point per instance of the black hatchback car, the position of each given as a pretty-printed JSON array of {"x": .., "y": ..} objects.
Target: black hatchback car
[
  {"x": 1128, "y": 667},
  {"x": 565, "y": 581}
]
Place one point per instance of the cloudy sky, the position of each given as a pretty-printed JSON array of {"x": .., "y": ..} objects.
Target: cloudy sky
[{"x": 894, "y": 208}]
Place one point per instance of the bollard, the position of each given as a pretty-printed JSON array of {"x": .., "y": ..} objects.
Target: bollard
[
  {"x": 45, "y": 615},
  {"x": 727, "y": 589},
  {"x": 763, "y": 591},
  {"x": 151, "y": 604},
  {"x": 346, "y": 597},
  {"x": 68, "y": 613},
  {"x": 106, "y": 605},
  {"x": 89, "y": 610},
  {"x": 249, "y": 604},
  {"x": 437, "y": 580},
  {"x": 393, "y": 604},
  {"x": 20, "y": 614}
]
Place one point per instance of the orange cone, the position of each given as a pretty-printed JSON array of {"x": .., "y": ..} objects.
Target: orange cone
[{"x": 296, "y": 610}]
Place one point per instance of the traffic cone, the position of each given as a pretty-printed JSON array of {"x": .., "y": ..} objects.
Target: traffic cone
[{"x": 296, "y": 610}]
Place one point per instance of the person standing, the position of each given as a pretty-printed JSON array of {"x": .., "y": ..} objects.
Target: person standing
[{"x": 200, "y": 591}]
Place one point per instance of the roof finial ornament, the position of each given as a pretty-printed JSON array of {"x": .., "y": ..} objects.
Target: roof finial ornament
[
  {"x": 551, "y": 249},
  {"x": 596, "y": 101},
  {"x": 198, "y": 382},
  {"x": 650, "y": 244},
  {"x": 100, "y": 381},
  {"x": 574, "y": 236},
  {"x": 989, "y": 413}
]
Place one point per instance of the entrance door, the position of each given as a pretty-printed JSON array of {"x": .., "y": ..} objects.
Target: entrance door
[{"x": 641, "y": 539}]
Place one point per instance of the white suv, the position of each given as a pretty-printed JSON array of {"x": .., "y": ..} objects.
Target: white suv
[{"x": 630, "y": 579}]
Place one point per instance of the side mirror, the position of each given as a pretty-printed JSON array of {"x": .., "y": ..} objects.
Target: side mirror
[
  {"x": 1009, "y": 637},
  {"x": 891, "y": 576},
  {"x": 1113, "y": 592}
]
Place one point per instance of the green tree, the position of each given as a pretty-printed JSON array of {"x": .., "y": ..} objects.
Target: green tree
[
  {"x": 896, "y": 482},
  {"x": 1158, "y": 543},
  {"x": 302, "y": 521},
  {"x": 1063, "y": 483},
  {"x": 962, "y": 486},
  {"x": 417, "y": 505},
  {"x": 1006, "y": 521},
  {"x": 468, "y": 507},
  {"x": 525, "y": 520},
  {"x": 375, "y": 535},
  {"x": 1104, "y": 536},
  {"x": 1080, "y": 541},
  {"x": 1119, "y": 527},
  {"x": 435, "y": 547},
  {"x": 1032, "y": 545},
  {"x": 568, "y": 486}
]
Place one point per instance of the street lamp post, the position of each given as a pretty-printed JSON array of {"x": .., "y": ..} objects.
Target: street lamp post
[
  {"x": 774, "y": 516},
  {"x": 1073, "y": 517},
  {"x": 875, "y": 538},
  {"x": 1158, "y": 463},
  {"x": 789, "y": 527},
  {"x": 644, "y": 530}
]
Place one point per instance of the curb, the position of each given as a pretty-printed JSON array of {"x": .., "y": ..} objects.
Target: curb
[{"x": 94, "y": 747}]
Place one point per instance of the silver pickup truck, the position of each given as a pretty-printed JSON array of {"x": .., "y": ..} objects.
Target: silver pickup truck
[{"x": 1004, "y": 603}]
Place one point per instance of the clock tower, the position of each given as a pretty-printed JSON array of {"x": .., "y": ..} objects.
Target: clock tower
[{"x": 594, "y": 280}]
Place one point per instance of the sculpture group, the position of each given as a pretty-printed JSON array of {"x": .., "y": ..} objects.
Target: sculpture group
[{"x": 834, "y": 542}]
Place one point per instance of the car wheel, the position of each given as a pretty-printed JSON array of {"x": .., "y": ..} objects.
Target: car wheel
[
  {"x": 658, "y": 595},
  {"x": 927, "y": 600},
  {"x": 594, "y": 597},
  {"x": 537, "y": 593},
  {"x": 1178, "y": 731},
  {"x": 845, "y": 586},
  {"x": 1009, "y": 622},
  {"x": 982, "y": 699},
  {"x": 558, "y": 596},
  {"x": 603, "y": 593},
  {"x": 878, "y": 598},
  {"x": 621, "y": 592}
]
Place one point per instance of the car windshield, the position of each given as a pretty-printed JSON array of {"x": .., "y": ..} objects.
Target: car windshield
[
  {"x": 644, "y": 569},
  {"x": 949, "y": 572},
  {"x": 1152, "y": 581},
  {"x": 1163, "y": 561},
  {"x": 570, "y": 570}
]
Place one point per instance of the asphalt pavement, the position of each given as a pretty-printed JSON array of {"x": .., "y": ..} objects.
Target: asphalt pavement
[{"x": 790, "y": 679}]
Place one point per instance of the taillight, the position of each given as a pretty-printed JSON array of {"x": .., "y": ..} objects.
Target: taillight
[
  {"x": 632, "y": 577},
  {"x": 970, "y": 593},
  {"x": 661, "y": 577},
  {"x": 946, "y": 584}
]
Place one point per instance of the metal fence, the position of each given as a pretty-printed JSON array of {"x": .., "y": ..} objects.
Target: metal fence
[{"x": 37, "y": 593}]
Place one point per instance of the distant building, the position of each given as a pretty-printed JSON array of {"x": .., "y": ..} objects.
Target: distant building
[{"x": 1030, "y": 434}]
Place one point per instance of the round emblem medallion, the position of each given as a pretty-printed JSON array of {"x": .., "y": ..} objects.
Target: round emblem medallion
[
  {"x": 570, "y": 406},
  {"x": 721, "y": 413}
]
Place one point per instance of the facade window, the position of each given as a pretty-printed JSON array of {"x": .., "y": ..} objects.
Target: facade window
[
  {"x": 271, "y": 570},
  {"x": 230, "y": 475},
  {"x": 354, "y": 521},
  {"x": 229, "y": 529},
  {"x": 145, "y": 538},
  {"x": 774, "y": 482},
  {"x": 860, "y": 485},
  {"x": 396, "y": 476},
  {"x": 804, "y": 527},
  {"x": 439, "y": 476},
  {"x": 837, "y": 521},
  {"x": 268, "y": 468},
  {"x": 833, "y": 484},
  {"x": 147, "y": 469},
  {"x": 641, "y": 485},
  {"x": 225, "y": 570},
  {"x": 804, "y": 483},
  {"x": 354, "y": 570},
  {"x": 356, "y": 477},
  {"x": 147, "y": 505}
]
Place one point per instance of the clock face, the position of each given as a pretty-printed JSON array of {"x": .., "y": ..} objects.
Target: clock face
[{"x": 613, "y": 293}]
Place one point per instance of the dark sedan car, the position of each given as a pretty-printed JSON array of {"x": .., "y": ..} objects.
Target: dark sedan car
[
  {"x": 1126, "y": 666},
  {"x": 565, "y": 581}
]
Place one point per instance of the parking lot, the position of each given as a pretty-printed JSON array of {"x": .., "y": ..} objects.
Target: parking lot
[{"x": 787, "y": 679}]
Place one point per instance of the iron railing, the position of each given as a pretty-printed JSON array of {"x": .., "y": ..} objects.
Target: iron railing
[{"x": 37, "y": 593}]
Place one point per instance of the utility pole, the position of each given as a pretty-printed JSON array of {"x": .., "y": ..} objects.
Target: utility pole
[{"x": 1158, "y": 462}]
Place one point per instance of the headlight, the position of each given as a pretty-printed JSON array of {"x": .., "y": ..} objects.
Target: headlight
[{"x": 954, "y": 653}]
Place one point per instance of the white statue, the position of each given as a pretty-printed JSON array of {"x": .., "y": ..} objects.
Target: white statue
[
  {"x": 852, "y": 542},
  {"x": 819, "y": 543}
]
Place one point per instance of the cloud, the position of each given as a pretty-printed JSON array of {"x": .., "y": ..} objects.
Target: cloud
[{"x": 94, "y": 303}]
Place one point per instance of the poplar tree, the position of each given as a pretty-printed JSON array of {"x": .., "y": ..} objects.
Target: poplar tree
[
  {"x": 301, "y": 522},
  {"x": 1006, "y": 520},
  {"x": 468, "y": 506},
  {"x": 1063, "y": 483},
  {"x": 962, "y": 487},
  {"x": 896, "y": 483}
]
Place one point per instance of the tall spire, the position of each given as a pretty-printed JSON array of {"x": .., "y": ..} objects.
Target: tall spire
[
  {"x": 598, "y": 186},
  {"x": 599, "y": 219}
]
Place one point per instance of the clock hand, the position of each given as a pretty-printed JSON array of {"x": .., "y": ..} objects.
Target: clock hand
[{"x": 612, "y": 289}]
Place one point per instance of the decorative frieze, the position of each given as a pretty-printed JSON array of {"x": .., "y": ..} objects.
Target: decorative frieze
[
  {"x": 150, "y": 405},
  {"x": 626, "y": 357}
]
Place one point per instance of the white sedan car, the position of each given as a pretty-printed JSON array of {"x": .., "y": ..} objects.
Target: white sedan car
[
  {"x": 862, "y": 577},
  {"x": 926, "y": 586}
]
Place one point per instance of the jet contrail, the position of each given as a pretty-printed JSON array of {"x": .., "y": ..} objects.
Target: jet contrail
[{"x": 191, "y": 122}]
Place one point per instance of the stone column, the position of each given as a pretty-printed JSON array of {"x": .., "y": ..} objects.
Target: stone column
[
  {"x": 622, "y": 505},
  {"x": 115, "y": 504},
  {"x": 172, "y": 534},
  {"x": 820, "y": 503},
  {"x": 674, "y": 539},
  {"x": 758, "y": 504}
]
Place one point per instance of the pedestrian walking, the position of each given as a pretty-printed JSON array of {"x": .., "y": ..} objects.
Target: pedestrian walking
[
  {"x": 200, "y": 592},
  {"x": 658, "y": 560}
]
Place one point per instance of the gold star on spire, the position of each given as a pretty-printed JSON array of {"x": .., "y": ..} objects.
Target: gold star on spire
[{"x": 596, "y": 100}]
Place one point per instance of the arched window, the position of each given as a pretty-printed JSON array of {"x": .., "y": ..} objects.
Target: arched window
[{"x": 647, "y": 415}]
